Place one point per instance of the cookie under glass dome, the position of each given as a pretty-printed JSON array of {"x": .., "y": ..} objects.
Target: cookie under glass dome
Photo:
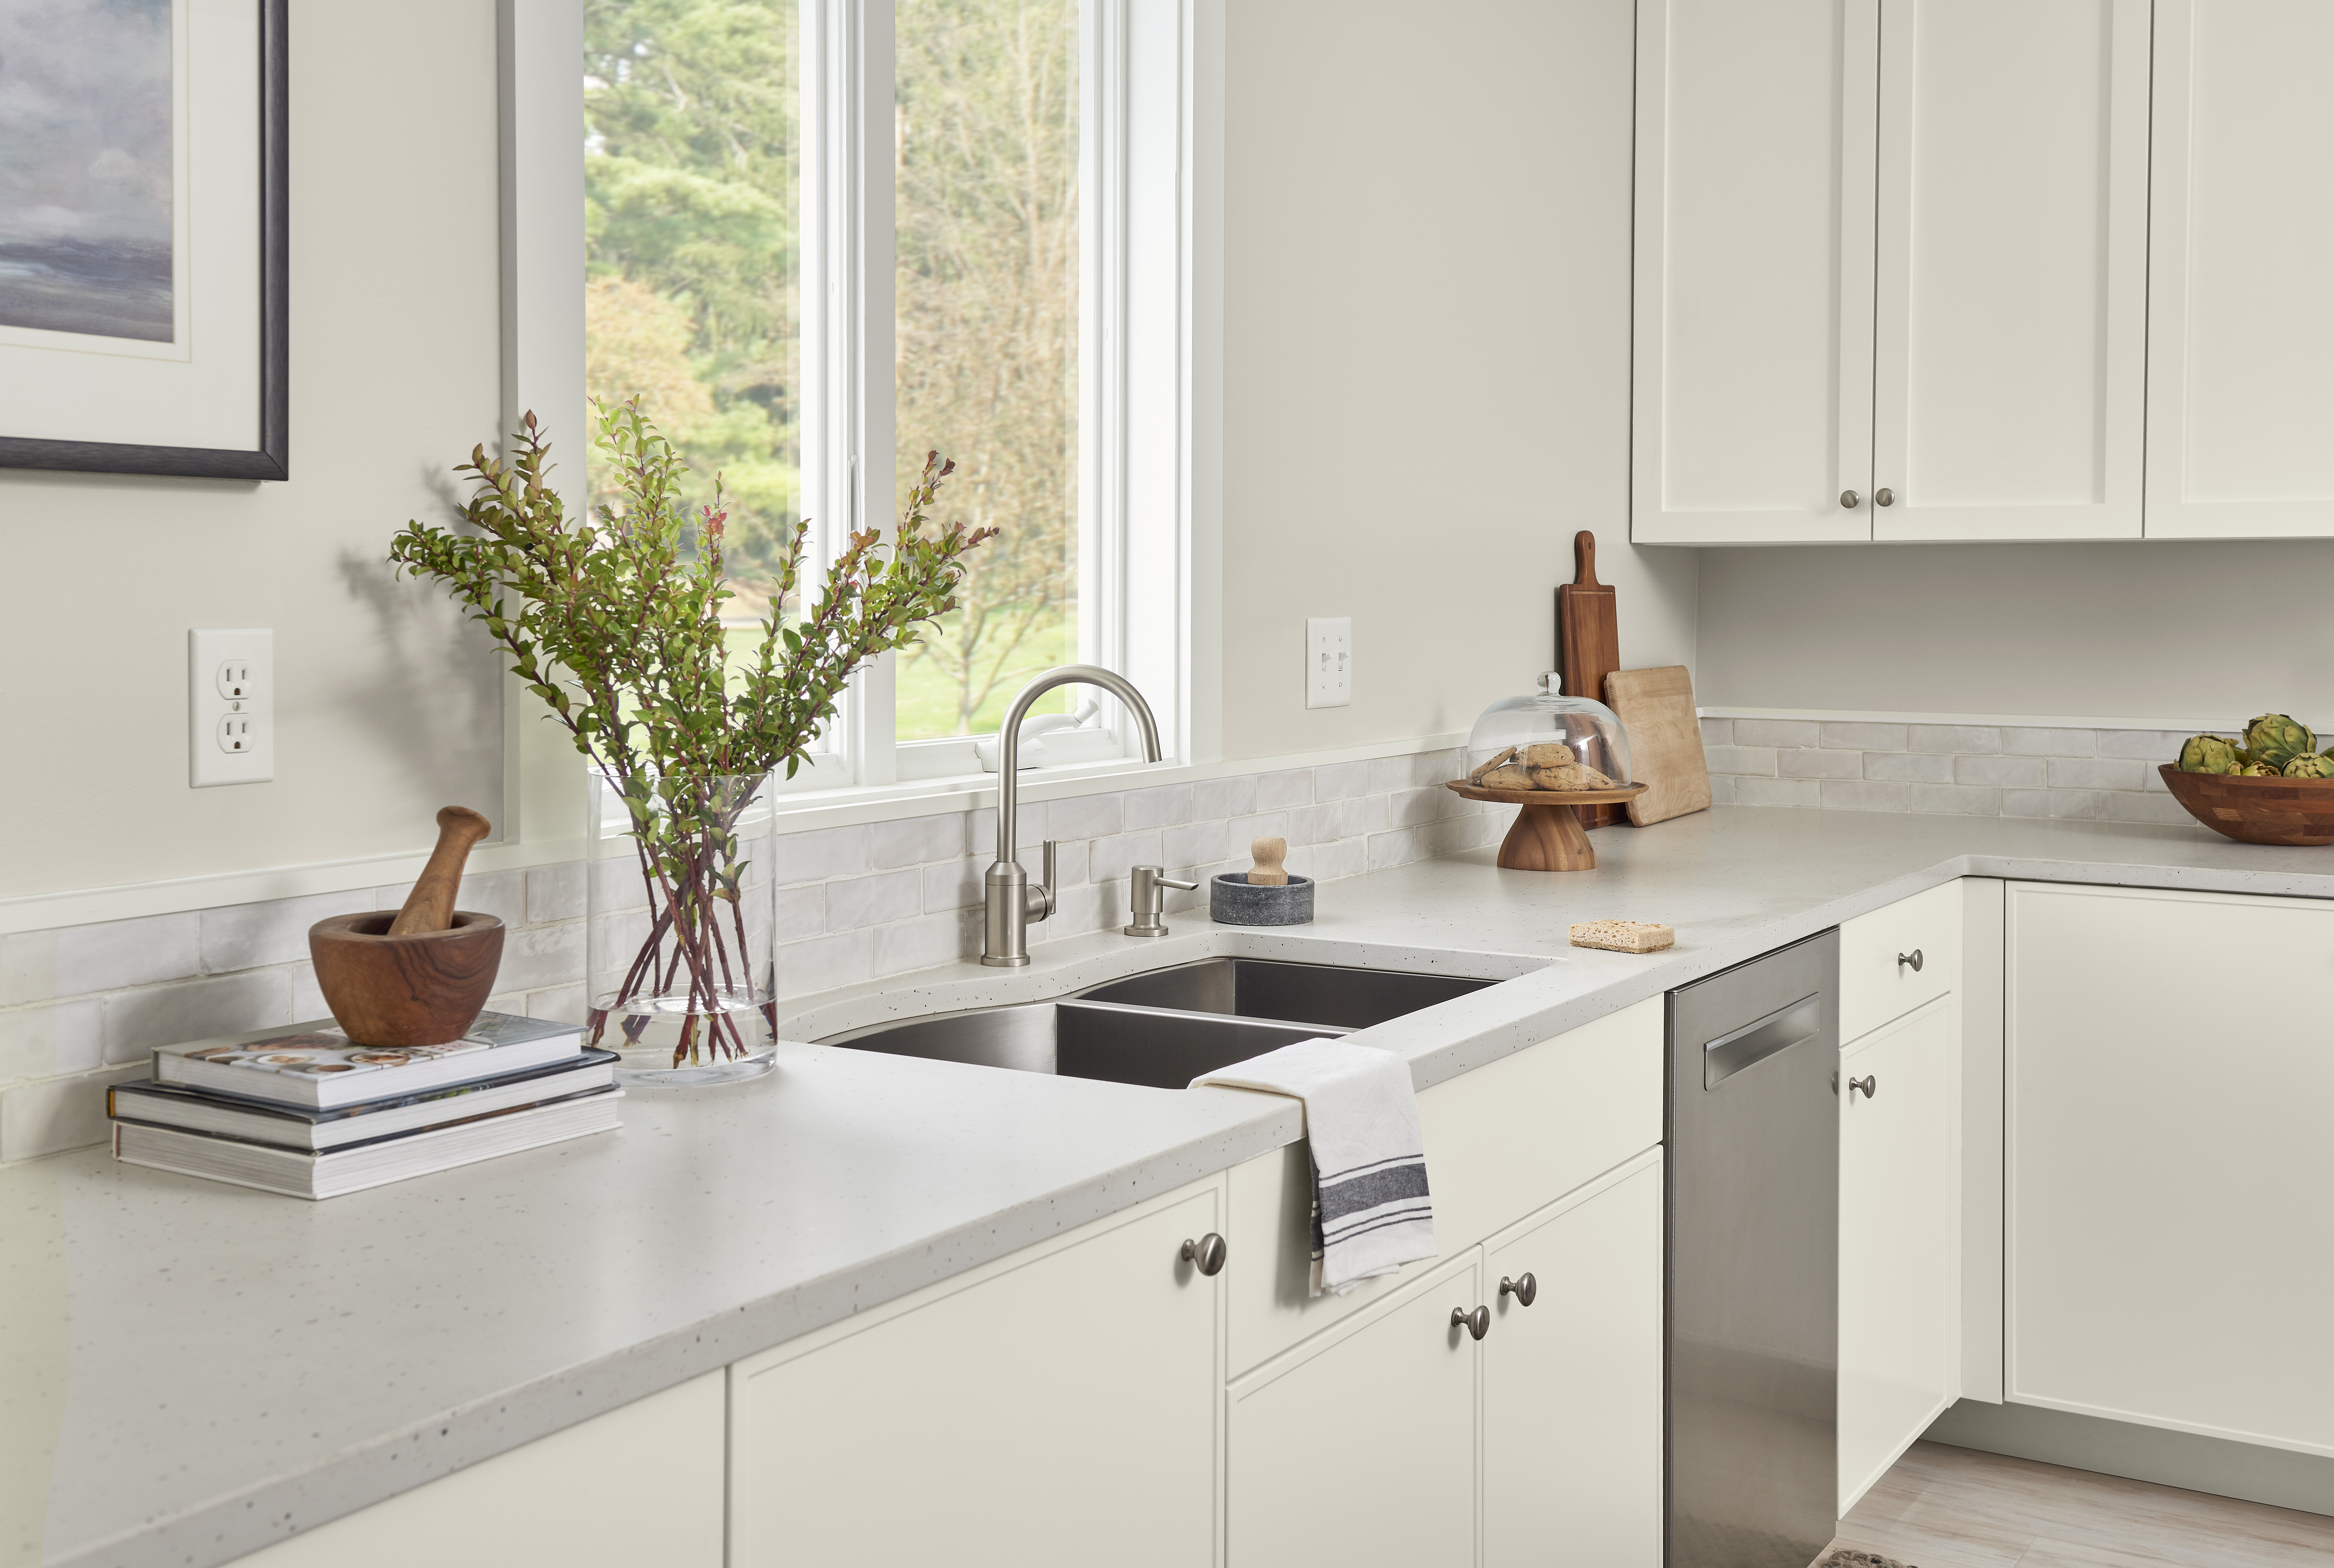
[{"x": 1594, "y": 753}]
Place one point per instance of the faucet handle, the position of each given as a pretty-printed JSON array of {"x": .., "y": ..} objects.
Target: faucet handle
[{"x": 1041, "y": 894}]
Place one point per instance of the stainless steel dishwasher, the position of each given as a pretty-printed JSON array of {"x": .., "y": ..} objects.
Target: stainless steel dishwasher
[{"x": 1754, "y": 1261}]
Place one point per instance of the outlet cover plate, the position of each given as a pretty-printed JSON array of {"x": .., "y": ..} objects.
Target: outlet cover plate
[
  {"x": 249, "y": 654},
  {"x": 1330, "y": 662}
]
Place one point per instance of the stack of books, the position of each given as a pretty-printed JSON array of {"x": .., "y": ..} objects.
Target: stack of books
[{"x": 309, "y": 1112}]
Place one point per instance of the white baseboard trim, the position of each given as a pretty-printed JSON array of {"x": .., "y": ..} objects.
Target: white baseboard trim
[{"x": 2276, "y": 1476}]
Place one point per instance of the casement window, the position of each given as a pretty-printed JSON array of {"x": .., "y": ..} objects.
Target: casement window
[{"x": 822, "y": 237}]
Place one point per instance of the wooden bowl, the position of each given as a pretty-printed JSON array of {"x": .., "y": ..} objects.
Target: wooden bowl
[
  {"x": 426, "y": 989},
  {"x": 2257, "y": 811}
]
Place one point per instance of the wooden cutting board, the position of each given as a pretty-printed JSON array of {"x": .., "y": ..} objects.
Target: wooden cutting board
[
  {"x": 1587, "y": 643},
  {"x": 1656, "y": 707}
]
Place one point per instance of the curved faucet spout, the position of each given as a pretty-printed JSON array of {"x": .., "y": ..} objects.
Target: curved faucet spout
[{"x": 1010, "y": 902}]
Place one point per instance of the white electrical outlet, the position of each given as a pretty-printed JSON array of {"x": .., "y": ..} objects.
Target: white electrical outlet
[
  {"x": 1330, "y": 662},
  {"x": 230, "y": 708}
]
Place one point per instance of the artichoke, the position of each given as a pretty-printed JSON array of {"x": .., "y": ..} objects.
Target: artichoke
[
  {"x": 2276, "y": 739},
  {"x": 2311, "y": 764},
  {"x": 2257, "y": 769},
  {"x": 2209, "y": 754}
]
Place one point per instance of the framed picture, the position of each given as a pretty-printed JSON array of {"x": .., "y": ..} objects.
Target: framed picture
[{"x": 143, "y": 237}]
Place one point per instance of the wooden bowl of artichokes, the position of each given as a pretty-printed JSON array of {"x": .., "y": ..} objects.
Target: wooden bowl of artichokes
[{"x": 2270, "y": 786}]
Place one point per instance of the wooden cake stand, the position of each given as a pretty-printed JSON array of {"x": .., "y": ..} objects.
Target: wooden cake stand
[{"x": 1547, "y": 835}]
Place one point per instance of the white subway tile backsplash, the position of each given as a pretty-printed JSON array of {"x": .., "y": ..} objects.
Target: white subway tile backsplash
[
  {"x": 50, "y": 1114},
  {"x": 1389, "y": 774},
  {"x": 926, "y": 941},
  {"x": 2072, "y": 805},
  {"x": 1835, "y": 765},
  {"x": 1740, "y": 759},
  {"x": 1753, "y": 791},
  {"x": 1275, "y": 790},
  {"x": 551, "y": 955},
  {"x": 2024, "y": 742},
  {"x": 823, "y": 963},
  {"x": 1227, "y": 797},
  {"x": 1716, "y": 731},
  {"x": 248, "y": 936},
  {"x": 1721, "y": 789},
  {"x": 954, "y": 884},
  {"x": 555, "y": 893},
  {"x": 800, "y": 912},
  {"x": 1085, "y": 817},
  {"x": 1774, "y": 732},
  {"x": 2148, "y": 745},
  {"x": 139, "y": 1020},
  {"x": 560, "y": 1004},
  {"x": 1072, "y": 863},
  {"x": 1952, "y": 739},
  {"x": 1956, "y": 800},
  {"x": 870, "y": 900},
  {"x": 1839, "y": 737},
  {"x": 1196, "y": 844},
  {"x": 28, "y": 968},
  {"x": 126, "y": 953},
  {"x": 915, "y": 840},
  {"x": 2093, "y": 774},
  {"x": 1165, "y": 807},
  {"x": 2004, "y": 772},
  {"x": 1339, "y": 780},
  {"x": 1908, "y": 767},
  {"x": 1857, "y": 794},
  {"x": 829, "y": 852},
  {"x": 51, "y": 1038}
]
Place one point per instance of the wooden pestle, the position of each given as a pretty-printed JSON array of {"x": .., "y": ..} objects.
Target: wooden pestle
[
  {"x": 1269, "y": 872},
  {"x": 429, "y": 907}
]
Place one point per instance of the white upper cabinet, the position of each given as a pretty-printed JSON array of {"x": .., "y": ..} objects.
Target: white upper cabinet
[
  {"x": 2012, "y": 298},
  {"x": 1891, "y": 270},
  {"x": 1756, "y": 136},
  {"x": 2241, "y": 321}
]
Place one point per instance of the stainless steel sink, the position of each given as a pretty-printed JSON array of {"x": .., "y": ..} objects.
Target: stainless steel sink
[
  {"x": 1165, "y": 1028},
  {"x": 1324, "y": 994},
  {"x": 1082, "y": 1039}
]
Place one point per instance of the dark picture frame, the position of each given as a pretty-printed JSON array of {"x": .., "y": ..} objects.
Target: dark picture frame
[{"x": 271, "y": 459}]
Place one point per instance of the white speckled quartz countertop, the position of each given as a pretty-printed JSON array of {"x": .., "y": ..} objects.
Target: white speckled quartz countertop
[{"x": 190, "y": 1371}]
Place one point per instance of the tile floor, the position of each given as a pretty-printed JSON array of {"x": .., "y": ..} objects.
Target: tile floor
[{"x": 1942, "y": 1508}]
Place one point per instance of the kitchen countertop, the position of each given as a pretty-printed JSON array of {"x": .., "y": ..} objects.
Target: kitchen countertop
[{"x": 190, "y": 1371}]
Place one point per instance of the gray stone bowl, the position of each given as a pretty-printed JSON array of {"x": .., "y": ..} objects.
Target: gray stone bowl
[{"x": 1234, "y": 900}]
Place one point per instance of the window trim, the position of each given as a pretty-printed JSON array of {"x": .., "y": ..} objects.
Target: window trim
[{"x": 1151, "y": 80}]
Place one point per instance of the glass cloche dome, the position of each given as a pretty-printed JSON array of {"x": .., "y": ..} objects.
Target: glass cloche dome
[{"x": 1548, "y": 741}]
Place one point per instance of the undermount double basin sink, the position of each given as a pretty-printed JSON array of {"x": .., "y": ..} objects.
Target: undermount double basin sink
[{"x": 1166, "y": 1028}]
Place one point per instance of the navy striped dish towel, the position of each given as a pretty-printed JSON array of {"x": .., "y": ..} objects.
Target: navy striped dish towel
[{"x": 1370, "y": 1208}]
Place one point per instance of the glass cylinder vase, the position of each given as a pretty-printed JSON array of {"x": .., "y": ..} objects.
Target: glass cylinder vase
[{"x": 679, "y": 977}]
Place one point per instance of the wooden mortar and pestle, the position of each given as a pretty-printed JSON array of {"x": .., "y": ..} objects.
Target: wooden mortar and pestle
[{"x": 421, "y": 976}]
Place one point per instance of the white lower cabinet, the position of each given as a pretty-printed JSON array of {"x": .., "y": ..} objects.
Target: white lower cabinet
[
  {"x": 1899, "y": 1238},
  {"x": 1572, "y": 1384},
  {"x": 1057, "y": 1407},
  {"x": 2170, "y": 1170},
  {"x": 1359, "y": 1444},
  {"x": 640, "y": 1483}
]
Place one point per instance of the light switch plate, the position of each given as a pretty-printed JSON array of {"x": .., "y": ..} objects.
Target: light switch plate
[
  {"x": 1330, "y": 662},
  {"x": 230, "y": 706}
]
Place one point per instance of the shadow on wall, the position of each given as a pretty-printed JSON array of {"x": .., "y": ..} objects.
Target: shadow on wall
[
  {"x": 436, "y": 682},
  {"x": 2168, "y": 629}
]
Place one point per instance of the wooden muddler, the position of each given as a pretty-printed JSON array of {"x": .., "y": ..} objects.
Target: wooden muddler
[
  {"x": 429, "y": 907},
  {"x": 1270, "y": 869}
]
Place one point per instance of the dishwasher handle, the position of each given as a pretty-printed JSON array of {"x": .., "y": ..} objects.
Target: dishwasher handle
[{"x": 1756, "y": 1041}]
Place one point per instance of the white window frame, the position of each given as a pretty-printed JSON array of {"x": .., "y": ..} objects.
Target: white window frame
[
  {"x": 1134, "y": 92},
  {"x": 1151, "y": 111}
]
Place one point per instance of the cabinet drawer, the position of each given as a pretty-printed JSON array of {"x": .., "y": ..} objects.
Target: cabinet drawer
[
  {"x": 1874, "y": 987},
  {"x": 1501, "y": 1142}
]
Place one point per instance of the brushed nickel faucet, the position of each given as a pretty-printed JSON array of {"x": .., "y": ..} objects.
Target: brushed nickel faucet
[{"x": 1010, "y": 902}]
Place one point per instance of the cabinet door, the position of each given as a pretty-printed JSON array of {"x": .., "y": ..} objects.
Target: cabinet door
[
  {"x": 2011, "y": 295},
  {"x": 1753, "y": 297},
  {"x": 1572, "y": 1384},
  {"x": 1899, "y": 1235},
  {"x": 1058, "y": 1410},
  {"x": 2170, "y": 1170},
  {"x": 640, "y": 1483},
  {"x": 2240, "y": 322},
  {"x": 1359, "y": 1444}
]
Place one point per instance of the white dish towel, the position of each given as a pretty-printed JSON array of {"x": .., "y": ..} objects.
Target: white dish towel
[{"x": 1371, "y": 1214}]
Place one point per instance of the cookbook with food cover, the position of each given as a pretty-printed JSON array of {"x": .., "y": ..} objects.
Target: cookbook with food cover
[{"x": 317, "y": 1067}]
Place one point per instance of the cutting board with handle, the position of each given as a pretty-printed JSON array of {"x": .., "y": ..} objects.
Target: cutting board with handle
[
  {"x": 1587, "y": 643},
  {"x": 1656, "y": 707}
]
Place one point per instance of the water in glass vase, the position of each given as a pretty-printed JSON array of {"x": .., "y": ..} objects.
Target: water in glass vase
[{"x": 680, "y": 975}]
